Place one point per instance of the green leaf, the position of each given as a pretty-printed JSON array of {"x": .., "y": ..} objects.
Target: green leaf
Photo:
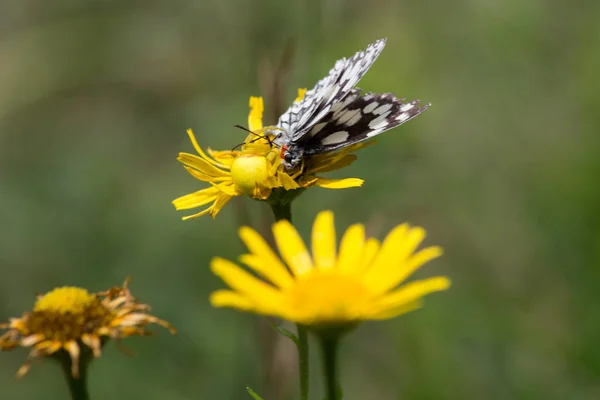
[
  {"x": 283, "y": 331},
  {"x": 252, "y": 393}
]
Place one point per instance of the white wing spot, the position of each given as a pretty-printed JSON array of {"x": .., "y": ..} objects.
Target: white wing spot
[
  {"x": 369, "y": 108},
  {"x": 317, "y": 128},
  {"x": 336, "y": 137},
  {"x": 380, "y": 126},
  {"x": 374, "y": 133},
  {"x": 406, "y": 107},
  {"x": 380, "y": 121},
  {"x": 402, "y": 117},
  {"x": 340, "y": 114},
  {"x": 382, "y": 109},
  {"x": 347, "y": 116},
  {"x": 340, "y": 105},
  {"x": 354, "y": 119}
]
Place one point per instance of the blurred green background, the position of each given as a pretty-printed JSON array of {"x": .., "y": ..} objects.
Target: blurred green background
[{"x": 502, "y": 171}]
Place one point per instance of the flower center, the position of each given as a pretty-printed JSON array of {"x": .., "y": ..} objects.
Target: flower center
[
  {"x": 248, "y": 171},
  {"x": 65, "y": 300},
  {"x": 66, "y": 313},
  {"x": 330, "y": 299}
]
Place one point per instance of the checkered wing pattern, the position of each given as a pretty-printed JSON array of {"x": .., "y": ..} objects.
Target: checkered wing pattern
[
  {"x": 318, "y": 101},
  {"x": 358, "y": 118}
]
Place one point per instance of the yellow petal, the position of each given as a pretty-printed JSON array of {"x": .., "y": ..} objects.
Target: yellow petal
[
  {"x": 56, "y": 346},
  {"x": 413, "y": 239},
  {"x": 411, "y": 292},
  {"x": 197, "y": 199},
  {"x": 201, "y": 176},
  {"x": 351, "y": 249},
  {"x": 261, "y": 193},
  {"x": 227, "y": 188},
  {"x": 23, "y": 369},
  {"x": 416, "y": 261},
  {"x": 267, "y": 271},
  {"x": 73, "y": 349},
  {"x": 292, "y": 248},
  {"x": 227, "y": 298},
  {"x": 255, "y": 290},
  {"x": 202, "y": 154},
  {"x": 256, "y": 113},
  {"x": 46, "y": 347},
  {"x": 386, "y": 259},
  {"x": 397, "y": 311},
  {"x": 32, "y": 339},
  {"x": 390, "y": 267},
  {"x": 306, "y": 181},
  {"x": 287, "y": 182},
  {"x": 225, "y": 157},
  {"x": 344, "y": 161},
  {"x": 219, "y": 204},
  {"x": 198, "y": 214},
  {"x": 405, "y": 268},
  {"x": 93, "y": 342},
  {"x": 323, "y": 241},
  {"x": 335, "y": 160},
  {"x": 201, "y": 165},
  {"x": 339, "y": 183},
  {"x": 277, "y": 272},
  {"x": 368, "y": 255},
  {"x": 301, "y": 93}
]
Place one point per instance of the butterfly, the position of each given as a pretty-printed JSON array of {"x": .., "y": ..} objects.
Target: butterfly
[{"x": 336, "y": 114}]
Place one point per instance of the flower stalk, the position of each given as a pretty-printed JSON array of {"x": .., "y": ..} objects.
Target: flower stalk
[
  {"x": 77, "y": 384},
  {"x": 283, "y": 210},
  {"x": 302, "y": 345},
  {"x": 329, "y": 346}
]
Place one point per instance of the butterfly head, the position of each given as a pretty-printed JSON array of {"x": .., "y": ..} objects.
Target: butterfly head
[{"x": 291, "y": 157}]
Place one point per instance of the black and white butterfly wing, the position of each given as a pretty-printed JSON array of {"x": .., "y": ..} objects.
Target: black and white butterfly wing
[
  {"x": 318, "y": 101},
  {"x": 358, "y": 118}
]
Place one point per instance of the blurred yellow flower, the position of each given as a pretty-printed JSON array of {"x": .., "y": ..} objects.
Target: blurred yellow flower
[
  {"x": 332, "y": 288},
  {"x": 67, "y": 318},
  {"x": 255, "y": 170}
]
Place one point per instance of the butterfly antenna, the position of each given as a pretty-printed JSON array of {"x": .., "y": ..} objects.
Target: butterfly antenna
[
  {"x": 258, "y": 136},
  {"x": 237, "y": 145}
]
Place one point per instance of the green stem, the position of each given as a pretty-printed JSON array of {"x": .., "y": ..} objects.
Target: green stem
[
  {"x": 302, "y": 345},
  {"x": 77, "y": 386},
  {"x": 283, "y": 210},
  {"x": 329, "y": 348}
]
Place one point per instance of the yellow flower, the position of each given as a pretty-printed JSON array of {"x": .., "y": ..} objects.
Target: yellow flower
[
  {"x": 66, "y": 319},
  {"x": 332, "y": 288},
  {"x": 230, "y": 174},
  {"x": 255, "y": 170}
]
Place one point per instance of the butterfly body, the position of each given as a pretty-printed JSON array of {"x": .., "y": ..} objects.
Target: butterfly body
[{"x": 336, "y": 114}]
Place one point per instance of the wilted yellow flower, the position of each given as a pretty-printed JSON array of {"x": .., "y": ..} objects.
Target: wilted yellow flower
[
  {"x": 67, "y": 318},
  {"x": 255, "y": 170},
  {"x": 361, "y": 281}
]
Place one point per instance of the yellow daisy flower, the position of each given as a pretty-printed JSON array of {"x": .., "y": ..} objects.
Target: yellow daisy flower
[
  {"x": 70, "y": 321},
  {"x": 255, "y": 169},
  {"x": 362, "y": 281}
]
